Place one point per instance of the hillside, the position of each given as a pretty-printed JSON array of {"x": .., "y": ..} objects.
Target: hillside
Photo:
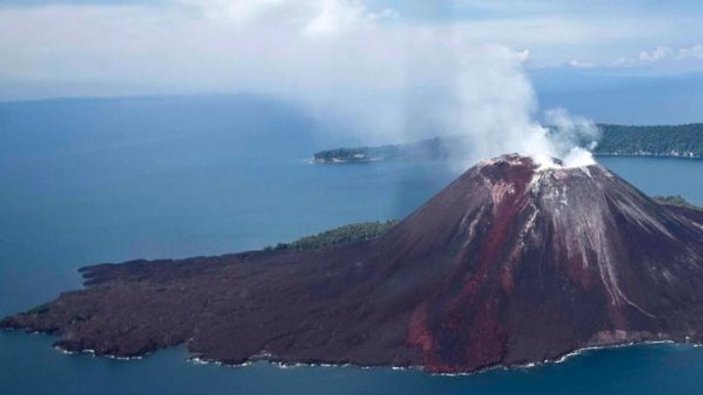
[{"x": 509, "y": 265}]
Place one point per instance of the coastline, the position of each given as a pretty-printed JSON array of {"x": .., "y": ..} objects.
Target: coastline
[
  {"x": 196, "y": 360},
  {"x": 266, "y": 358},
  {"x": 283, "y": 364},
  {"x": 421, "y": 369},
  {"x": 648, "y": 155},
  {"x": 338, "y": 161}
]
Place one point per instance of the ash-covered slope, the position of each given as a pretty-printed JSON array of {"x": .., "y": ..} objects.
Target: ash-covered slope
[{"x": 509, "y": 264}]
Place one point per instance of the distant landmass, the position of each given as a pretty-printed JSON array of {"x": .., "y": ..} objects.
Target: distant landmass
[
  {"x": 678, "y": 141},
  {"x": 509, "y": 265}
]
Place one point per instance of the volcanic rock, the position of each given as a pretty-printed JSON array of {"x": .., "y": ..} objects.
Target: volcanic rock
[{"x": 510, "y": 264}]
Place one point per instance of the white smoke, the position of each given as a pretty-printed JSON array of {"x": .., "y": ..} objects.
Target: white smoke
[
  {"x": 495, "y": 113},
  {"x": 357, "y": 70},
  {"x": 572, "y": 137}
]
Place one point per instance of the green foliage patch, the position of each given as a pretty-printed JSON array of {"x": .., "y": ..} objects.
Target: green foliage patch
[{"x": 347, "y": 234}]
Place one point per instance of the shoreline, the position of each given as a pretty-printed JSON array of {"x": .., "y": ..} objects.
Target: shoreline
[
  {"x": 280, "y": 364},
  {"x": 196, "y": 360},
  {"x": 421, "y": 369},
  {"x": 657, "y": 156}
]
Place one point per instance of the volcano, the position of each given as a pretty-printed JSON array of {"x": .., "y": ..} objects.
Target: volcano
[{"x": 510, "y": 264}]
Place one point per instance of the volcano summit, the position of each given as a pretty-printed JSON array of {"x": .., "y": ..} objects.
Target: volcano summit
[{"x": 510, "y": 264}]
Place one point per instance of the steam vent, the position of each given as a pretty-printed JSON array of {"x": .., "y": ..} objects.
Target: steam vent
[{"x": 508, "y": 265}]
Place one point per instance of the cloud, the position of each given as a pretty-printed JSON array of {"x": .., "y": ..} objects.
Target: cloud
[
  {"x": 336, "y": 17},
  {"x": 655, "y": 55},
  {"x": 236, "y": 11},
  {"x": 664, "y": 60},
  {"x": 168, "y": 42},
  {"x": 313, "y": 17},
  {"x": 661, "y": 59},
  {"x": 577, "y": 64},
  {"x": 359, "y": 70},
  {"x": 691, "y": 52}
]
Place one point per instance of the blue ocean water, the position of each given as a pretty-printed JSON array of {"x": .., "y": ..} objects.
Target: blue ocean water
[{"x": 90, "y": 181}]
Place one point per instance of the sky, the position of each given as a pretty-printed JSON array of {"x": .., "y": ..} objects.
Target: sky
[{"x": 353, "y": 56}]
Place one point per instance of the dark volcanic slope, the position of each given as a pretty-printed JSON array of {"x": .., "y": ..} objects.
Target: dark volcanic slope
[{"x": 508, "y": 265}]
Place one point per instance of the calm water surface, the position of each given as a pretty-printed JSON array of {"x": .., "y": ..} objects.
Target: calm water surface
[{"x": 92, "y": 181}]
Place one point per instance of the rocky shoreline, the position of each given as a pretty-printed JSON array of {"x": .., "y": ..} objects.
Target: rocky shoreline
[{"x": 284, "y": 364}]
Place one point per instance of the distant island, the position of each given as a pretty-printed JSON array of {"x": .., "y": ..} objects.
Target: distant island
[{"x": 677, "y": 141}]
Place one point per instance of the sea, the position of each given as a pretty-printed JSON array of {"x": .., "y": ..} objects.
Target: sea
[{"x": 87, "y": 181}]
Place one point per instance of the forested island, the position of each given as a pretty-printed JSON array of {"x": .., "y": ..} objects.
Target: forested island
[{"x": 679, "y": 141}]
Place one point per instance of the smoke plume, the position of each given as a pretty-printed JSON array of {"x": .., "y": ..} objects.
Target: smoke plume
[{"x": 495, "y": 112}]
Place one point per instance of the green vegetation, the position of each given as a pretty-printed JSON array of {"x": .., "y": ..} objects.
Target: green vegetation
[
  {"x": 430, "y": 149},
  {"x": 684, "y": 141},
  {"x": 356, "y": 233},
  {"x": 42, "y": 308},
  {"x": 347, "y": 234},
  {"x": 675, "y": 141},
  {"x": 676, "y": 200}
]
